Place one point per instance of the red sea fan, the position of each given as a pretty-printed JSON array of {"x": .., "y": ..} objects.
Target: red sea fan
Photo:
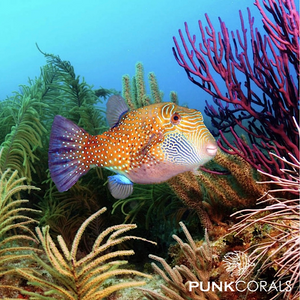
[{"x": 264, "y": 106}]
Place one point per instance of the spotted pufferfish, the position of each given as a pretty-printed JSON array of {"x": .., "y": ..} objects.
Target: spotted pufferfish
[{"x": 145, "y": 145}]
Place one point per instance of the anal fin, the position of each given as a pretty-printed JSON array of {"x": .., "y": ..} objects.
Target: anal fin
[{"x": 120, "y": 186}]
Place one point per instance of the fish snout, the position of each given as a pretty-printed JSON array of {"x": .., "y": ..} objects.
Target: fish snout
[{"x": 211, "y": 148}]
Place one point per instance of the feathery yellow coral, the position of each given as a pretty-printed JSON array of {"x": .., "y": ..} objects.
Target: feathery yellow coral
[
  {"x": 13, "y": 219},
  {"x": 278, "y": 247},
  {"x": 83, "y": 278},
  {"x": 187, "y": 188}
]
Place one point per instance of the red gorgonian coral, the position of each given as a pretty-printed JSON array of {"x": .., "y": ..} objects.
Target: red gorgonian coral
[{"x": 264, "y": 106}]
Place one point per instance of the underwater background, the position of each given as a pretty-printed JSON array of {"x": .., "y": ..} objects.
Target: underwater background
[
  {"x": 105, "y": 39},
  {"x": 214, "y": 226}
]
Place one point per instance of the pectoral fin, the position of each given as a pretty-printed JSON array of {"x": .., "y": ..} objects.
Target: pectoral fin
[
  {"x": 120, "y": 186},
  {"x": 153, "y": 139}
]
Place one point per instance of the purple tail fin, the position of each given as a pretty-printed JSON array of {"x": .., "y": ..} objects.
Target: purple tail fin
[{"x": 66, "y": 153}]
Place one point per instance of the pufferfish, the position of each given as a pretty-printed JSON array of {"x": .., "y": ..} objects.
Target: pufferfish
[{"x": 145, "y": 145}]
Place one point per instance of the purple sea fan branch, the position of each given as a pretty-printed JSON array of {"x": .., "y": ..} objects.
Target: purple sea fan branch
[
  {"x": 265, "y": 104},
  {"x": 285, "y": 31}
]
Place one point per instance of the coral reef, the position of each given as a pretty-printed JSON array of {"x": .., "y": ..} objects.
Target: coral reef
[
  {"x": 199, "y": 269},
  {"x": 38, "y": 272},
  {"x": 279, "y": 245},
  {"x": 75, "y": 277},
  {"x": 266, "y": 108},
  {"x": 77, "y": 252}
]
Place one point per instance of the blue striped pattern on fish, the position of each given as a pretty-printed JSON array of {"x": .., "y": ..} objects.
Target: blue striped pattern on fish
[{"x": 185, "y": 142}]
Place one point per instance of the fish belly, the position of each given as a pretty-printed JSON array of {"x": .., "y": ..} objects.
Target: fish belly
[{"x": 157, "y": 173}]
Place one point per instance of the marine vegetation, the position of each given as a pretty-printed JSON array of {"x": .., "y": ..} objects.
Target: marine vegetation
[
  {"x": 76, "y": 250},
  {"x": 262, "y": 109},
  {"x": 213, "y": 195},
  {"x": 22, "y": 129},
  {"x": 46, "y": 263}
]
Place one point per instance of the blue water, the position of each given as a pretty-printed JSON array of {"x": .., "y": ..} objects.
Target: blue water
[{"x": 104, "y": 39}]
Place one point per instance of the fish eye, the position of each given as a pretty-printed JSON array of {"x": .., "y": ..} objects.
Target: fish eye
[{"x": 175, "y": 118}]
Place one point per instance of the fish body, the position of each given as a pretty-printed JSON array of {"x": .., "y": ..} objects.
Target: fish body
[{"x": 146, "y": 145}]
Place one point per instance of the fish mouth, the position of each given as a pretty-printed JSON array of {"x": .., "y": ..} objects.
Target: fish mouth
[{"x": 211, "y": 149}]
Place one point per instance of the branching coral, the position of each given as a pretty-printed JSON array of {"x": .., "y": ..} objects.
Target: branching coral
[
  {"x": 81, "y": 278},
  {"x": 266, "y": 108},
  {"x": 177, "y": 279},
  {"x": 187, "y": 188}
]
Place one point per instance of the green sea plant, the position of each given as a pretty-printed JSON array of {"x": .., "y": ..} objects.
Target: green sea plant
[
  {"x": 25, "y": 136},
  {"x": 75, "y": 277},
  {"x": 77, "y": 98},
  {"x": 198, "y": 269},
  {"x": 149, "y": 200},
  {"x": 105, "y": 93}
]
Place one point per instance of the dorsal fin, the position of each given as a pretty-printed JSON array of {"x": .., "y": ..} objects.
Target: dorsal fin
[{"x": 116, "y": 108}]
